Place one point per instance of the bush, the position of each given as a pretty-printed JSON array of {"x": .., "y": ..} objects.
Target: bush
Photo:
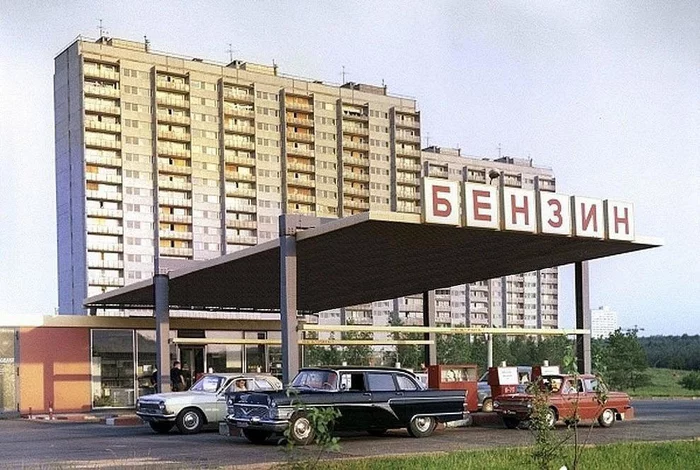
[{"x": 691, "y": 381}]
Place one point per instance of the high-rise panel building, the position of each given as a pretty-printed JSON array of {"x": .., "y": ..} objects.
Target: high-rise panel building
[{"x": 161, "y": 158}]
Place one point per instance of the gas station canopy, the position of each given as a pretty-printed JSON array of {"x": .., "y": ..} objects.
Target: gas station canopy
[{"x": 364, "y": 258}]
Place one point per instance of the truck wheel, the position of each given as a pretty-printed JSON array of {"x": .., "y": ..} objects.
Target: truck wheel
[
  {"x": 422, "y": 426},
  {"x": 161, "y": 427},
  {"x": 190, "y": 421},
  {"x": 551, "y": 417},
  {"x": 300, "y": 430},
  {"x": 256, "y": 436},
  {"x": 510, "y": 422},
  {"x": 487, "y": 406},
  {"x": 606, "y": 418}
]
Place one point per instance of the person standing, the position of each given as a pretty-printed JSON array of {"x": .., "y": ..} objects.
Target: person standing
[{"x": 177, "y": 379}]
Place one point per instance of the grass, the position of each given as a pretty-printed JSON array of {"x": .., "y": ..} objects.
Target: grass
[
  {"x": 637, "y": 456},
  {"x": 664, "y": 384}
]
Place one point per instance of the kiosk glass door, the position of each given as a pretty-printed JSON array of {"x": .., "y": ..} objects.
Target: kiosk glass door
[{"x": 192, "y": 359}]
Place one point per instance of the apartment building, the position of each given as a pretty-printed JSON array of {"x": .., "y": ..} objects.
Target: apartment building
[{"x": 162, "y": 158}]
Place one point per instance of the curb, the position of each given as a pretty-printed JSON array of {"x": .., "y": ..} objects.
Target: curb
[{"x": 123, "y": 421}]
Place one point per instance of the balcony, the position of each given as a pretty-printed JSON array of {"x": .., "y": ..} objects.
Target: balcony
[
  {"x": 241, "y": 192},
  {"x": 103, "y": 178},
  {"x": 102, "y": 264},
  {"x": 106, "y": 247},
  {"x": 105, "y": 229},
  {"x": 103, "y": 143},
  {"x": 356, "y": 204},
  {"x": 237, "y": 223},
  {"x": 355, "y": 116},
  {"x": 105, "y": 281},
  {"x": 241, "y": 240},
  {"x": 164, "y": 183},
  {"x": 299, "y": 197},
  {"x": 248, "y": 130},
  {"x": 174, "y": 118},
  {"x": 95, "y": 72},
  {"x": 351, "y": 129},
  {"x": 174, "y": 202},
  {"x": 408, "y": 195},
  {"x": 237, "y": 176},
  {"x": 96, "y": 90},
  {"x": 357, "y": 161},
  {"x": 245, "y": 208},
  {"x": 299, "y": 136},
  {"x": 409, "y": 152},
  {"x": 303, "y": 182},
  {"x": 349, "y": 190},
  {"x": 408, "y": 123},
  {"x": 353, "y": 176},
  {"x": 437, "y": 172},
  {"x": 174, "y": 169},
  {"x": 103, "y": 195},
  {"x": 402, "y": 137},
  {"x": 297, "y": 166},
  {"x": 239, "y": 96},
  {"x": 407, "y": 179},
  {"x": 302, "y": 151},
  {"x": 94, "y": 125},
  {"x": 174, "y": 218},
  {"x": 180, "y": 87},
  {"x": 172, "y": 151},
  {"x": 179, "y": 252},
  {"x": 409, "y": 166},
  {"x": 298, "y": 105},
  {"x": 176, "y": 136},
  {"x": 303, "y": 209},
  {"x": 238, "y": 112},
  {"x": 174, "y": 102},
  {"x": 303, "y": 122},
  {"x": 174, "y": 235},
  {"x": 239, "y": 160},
  {"x": 104, "y": 161},
  {"x": 349, "y": 144},
  {"x": 104, "y": 213},
  {"x": 239, "y": 144},
  {"x": 102, "y": 108}
]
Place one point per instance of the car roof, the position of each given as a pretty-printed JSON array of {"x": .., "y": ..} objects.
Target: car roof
[
  {"x": 358, "y": 368},
  {"x": 247, "y": 375}
]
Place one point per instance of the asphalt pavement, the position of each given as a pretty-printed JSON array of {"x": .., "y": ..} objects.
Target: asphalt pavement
[{"x": 63, "y": 444}]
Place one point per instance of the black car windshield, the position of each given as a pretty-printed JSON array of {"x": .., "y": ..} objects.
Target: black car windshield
[
  {"x": 316, "y": 379},
  {"x": 208, "y": 383}
]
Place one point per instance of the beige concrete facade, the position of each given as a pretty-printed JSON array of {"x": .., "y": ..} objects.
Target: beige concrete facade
[{"x": 161, "y": 158}]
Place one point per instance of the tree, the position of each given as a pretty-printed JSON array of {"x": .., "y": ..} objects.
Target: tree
[
  {"x": 409, "y": 355},
  {"x": 322, "y": 355},
  {"x": 625, "y": 360},
  {"x": 453, "y": 349},
  {"x": 359, "y": 355}
]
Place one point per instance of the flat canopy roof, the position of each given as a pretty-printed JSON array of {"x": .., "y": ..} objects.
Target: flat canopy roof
[{"x": 364, "y": 258}]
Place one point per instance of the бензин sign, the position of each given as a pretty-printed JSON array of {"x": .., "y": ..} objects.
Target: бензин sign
[{"x": 524, "y": 210}]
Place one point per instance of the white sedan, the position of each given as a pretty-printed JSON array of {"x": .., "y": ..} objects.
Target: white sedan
[{"x": 203, "y": 404}]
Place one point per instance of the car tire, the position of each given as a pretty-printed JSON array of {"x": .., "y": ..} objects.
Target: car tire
[
  {"x": 301, "y": 430},
  {"x": 510, "y": 422},
  {"x": 422, "y": 426},
  {"x": 607, "y": 418},
  {"x": 551, "y": 417},
  {"x": 190, "y": 421},
  {"x": 487, "y": 406},
  {"x": 376, "y": 432},
  {"x": 161, "y": 427},
  {"x": 256, "y": 436}
]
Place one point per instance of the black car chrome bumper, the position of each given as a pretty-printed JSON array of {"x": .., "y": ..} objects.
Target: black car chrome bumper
[{"x": 257, "y": 423}]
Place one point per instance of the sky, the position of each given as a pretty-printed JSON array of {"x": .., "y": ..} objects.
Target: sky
[{"x": 606, "y": 93}]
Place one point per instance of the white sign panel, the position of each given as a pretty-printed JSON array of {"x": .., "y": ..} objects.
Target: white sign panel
[
  {"x": 555, "y": 213},
  {"x": 508, "y": 376},
  {"x": 549, "y": 370},
  {"x": 481, "y": 203},
  {"x": 519, "y": 210},
  {"x": 619, "y": 217},
  {"x": 440, "y": 201},
  {"x": 588, "y": 217}
]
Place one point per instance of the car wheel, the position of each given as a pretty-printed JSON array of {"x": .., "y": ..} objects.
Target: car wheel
[
  {"x": 256, "y": 436},
  {"x": 487, "y": 406},
  {"x": 301, "y": 430},
  {"x": 550, "y": 417},
  {"x": 376, "y": 432},
  {"x": 190, "y": 421},
  {"x": 161, "y": 427},
  {"x": 422, "y": 426},
  {"x": 607, "y": 418},
  {"x": 510, "y": 422}
]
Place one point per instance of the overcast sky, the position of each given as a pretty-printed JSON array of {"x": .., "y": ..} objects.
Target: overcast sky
[{"x": 606, "y": 93}]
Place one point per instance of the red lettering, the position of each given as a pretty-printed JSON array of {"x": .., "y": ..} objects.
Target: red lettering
[
  {"x": 515, "y": 210},
  {"x": 586, "y": 218},
  {"x": 557, "y": 213},
  {"x": 478, "y": 206},
  {"x": 441, "y": 206},
  {"x": 622, "y": 220}
]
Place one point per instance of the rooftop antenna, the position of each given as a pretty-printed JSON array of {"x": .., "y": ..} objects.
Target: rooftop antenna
[
  {"x": 343, "y": 73},
  {"x": 427, "y": 139},
  {"x": 103, "y": 31},
  {"x": 230, "y": 52},
  {"x": 147, "y": 43},
  {"x": 499, "y": 150}
]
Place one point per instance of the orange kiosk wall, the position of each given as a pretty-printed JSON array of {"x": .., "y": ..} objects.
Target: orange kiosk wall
[
  {"x": 503, "y": 380},
  {"x": 450, "y": 377}
]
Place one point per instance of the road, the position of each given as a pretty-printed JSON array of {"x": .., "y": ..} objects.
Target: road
[{"x": 30, "y": 444}]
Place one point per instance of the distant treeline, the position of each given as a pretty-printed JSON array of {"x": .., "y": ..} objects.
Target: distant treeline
[{"x": 672, "y": 352}]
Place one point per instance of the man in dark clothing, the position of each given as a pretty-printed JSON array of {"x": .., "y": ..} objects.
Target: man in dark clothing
[{"x": 177, "y": 379}]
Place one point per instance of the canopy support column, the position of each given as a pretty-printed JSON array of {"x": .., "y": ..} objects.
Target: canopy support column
[
  {"x": 429, "y": 320},
  {"x": 583, "y": 317},
  {"x": 162, "y": 314}
]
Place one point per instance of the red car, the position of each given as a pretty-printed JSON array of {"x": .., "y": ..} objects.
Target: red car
[{"x": 569, "y": 397}]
